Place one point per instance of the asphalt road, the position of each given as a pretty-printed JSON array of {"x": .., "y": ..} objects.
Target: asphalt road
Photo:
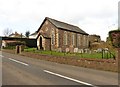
[{"x": 20, "y": 70}]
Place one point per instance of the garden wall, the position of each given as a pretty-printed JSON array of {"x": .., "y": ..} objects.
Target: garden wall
[{"x": 100, "y": 64}]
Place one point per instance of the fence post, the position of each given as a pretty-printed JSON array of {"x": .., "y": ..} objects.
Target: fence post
[
  {"x": 110, "y": 54},
  {"x": 51, "y": 52},
  {"x": 107, "y": 54},
  {"x": 102, "y": 53}
]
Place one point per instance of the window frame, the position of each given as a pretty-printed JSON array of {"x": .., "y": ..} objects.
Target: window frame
[
  {"x": 73, "y": 39},
  {"x": 65, "y": 38},
  {"x": 52, "y": 37}
]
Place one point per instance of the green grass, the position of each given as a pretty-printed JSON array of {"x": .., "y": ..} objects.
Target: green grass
[
  {"x": 76, "y": 55},
  {"x": 30, "y": 49}
]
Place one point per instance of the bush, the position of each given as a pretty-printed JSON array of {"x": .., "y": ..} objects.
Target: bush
[
  {"x": 15, "y": 43},
  {"x": 10, "y": 47},
  {"x": 115, "y": 38}
]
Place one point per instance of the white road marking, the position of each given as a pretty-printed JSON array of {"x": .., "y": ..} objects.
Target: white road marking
[
  {"x": 19, "y": 62},
  {"x": 75, "y": 80}
]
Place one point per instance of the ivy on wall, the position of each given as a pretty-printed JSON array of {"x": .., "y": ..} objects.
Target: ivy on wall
[{"x": 115, "y": 37}]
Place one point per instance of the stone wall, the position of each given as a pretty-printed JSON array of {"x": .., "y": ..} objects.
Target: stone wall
[
  {"x": 48, "y": 28},
  {"x": 100, "y": 64}
]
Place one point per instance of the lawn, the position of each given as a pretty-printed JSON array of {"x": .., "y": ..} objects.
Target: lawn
[{"x": 76, "y": 55}]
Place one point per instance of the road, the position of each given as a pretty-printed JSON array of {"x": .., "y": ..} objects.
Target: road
[{"x": 21, "y": 70}]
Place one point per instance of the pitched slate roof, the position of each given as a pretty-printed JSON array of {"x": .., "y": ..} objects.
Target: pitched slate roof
[{"x": 65, "y": 26}]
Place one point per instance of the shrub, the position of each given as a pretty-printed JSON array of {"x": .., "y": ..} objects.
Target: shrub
[
  {"x": 12, "y": 45},
  {"x": 15, "y": 43},
  {"x": 115, "y": 37}
]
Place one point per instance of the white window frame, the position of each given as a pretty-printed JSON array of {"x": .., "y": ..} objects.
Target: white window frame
[
  {"x": 57, "y": 35},
  {"x": 78, "y": 40}
]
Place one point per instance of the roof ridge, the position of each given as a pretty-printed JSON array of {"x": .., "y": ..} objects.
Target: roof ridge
[
  {"x": 66, "y": 26},
  {"x": 62, "y": 22}
]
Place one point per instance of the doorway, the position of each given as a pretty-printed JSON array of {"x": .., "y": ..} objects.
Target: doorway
[{"x": 41, "y": 43}]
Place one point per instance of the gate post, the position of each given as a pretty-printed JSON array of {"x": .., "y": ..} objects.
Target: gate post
[
  {"x": 17, "y": 49},
  {"x": 21, "y": 48}
]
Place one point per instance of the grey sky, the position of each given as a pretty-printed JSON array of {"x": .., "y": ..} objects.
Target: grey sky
[{"x": 93, "y": 16}]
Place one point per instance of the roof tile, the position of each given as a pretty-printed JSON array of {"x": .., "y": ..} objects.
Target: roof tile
[{"x": 66, "y": 26}]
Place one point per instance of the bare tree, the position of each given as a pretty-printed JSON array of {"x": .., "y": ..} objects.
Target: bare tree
[{"x": 7, "y": 32}]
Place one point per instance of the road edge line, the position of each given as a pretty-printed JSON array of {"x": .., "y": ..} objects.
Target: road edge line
[
  {"x": 18, "y": 62},
  {"x": 69, "y": 78}
]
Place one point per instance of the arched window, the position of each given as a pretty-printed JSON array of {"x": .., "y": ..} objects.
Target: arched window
[
  {"x": 73, "y": 39},
  {"x": 84, "y": 40},
  {"x": 65, "y": 38},
  {"x": 53, "y": 37},
  {"x": 78, "y": 40}
]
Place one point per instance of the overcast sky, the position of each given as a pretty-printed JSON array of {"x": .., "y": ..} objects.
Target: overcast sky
[{"x": 93, "y": 16}]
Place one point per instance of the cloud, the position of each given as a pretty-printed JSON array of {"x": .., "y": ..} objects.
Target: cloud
[{"x": 90, "y": 15}]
